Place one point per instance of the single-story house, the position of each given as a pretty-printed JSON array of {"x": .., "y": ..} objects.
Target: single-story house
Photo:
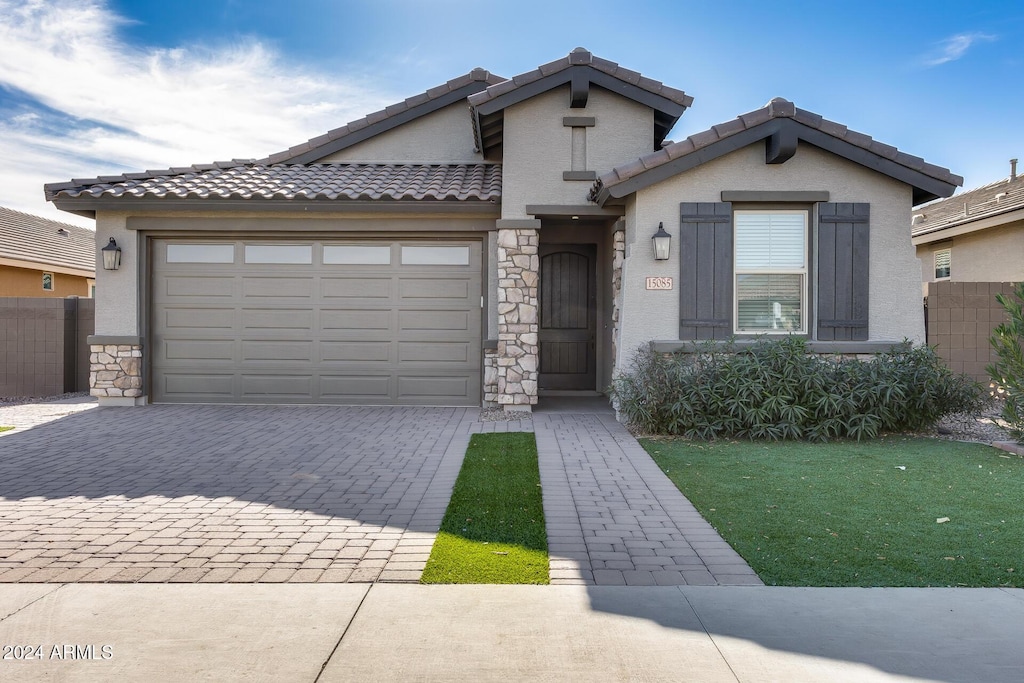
[
  {"x": 492, "y": 239},
  {"x": 975, "y": 236},
  {"x": 44, "y": 258}
]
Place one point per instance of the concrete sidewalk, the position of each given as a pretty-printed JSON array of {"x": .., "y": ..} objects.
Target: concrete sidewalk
[{"x": 379, "y": 632}]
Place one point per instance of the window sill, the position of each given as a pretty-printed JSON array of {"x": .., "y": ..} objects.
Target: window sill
[{"x": 681, "y": 346}]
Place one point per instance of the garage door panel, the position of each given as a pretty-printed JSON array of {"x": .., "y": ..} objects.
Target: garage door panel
[
  {"x": 283, "y": 350},
  {"x": 367, "y": 287},
  {"x": 199, "y": 349},
  {"x": 277, "y": 386},
  {"x": 355, "y": 319},
  {"x": 357, "y": 387},
  {"x": 367, "y": 332},
  {"x": 433, "y": 289},
  {"x": 433, "y": 386},
  {"x": 410, "y": 320},
  {"x": 187, "y": 320},
  {"x": 207, "y": 287},
  {"x": 433, "y": 352},
  {"x": 277, "y": 287},
  {"x": 197, "y": 386},
  {"x": 256, "y": 320},
  {"x": 356, "y": 352}
]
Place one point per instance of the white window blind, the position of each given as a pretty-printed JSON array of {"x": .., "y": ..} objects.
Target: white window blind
[
  {"x": 771, "y": 271},
  {"x": 770, "y": 241},
  {"x": 943, "y": 259}
]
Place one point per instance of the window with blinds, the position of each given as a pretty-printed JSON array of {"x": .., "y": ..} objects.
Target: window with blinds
[
  {"x": 770, "y": 271},
  {"x": 943, "y": 259}
]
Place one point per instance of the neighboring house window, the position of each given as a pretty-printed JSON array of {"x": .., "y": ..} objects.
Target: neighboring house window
[
  {"x": 943, "y": 258},
  {"x": 770, "y": 271},
  {"x": 48, "y": 282}
]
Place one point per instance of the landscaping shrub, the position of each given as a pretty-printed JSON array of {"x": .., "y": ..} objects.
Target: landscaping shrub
[
  {"x": 1008, "y": 372},
  {"x": 776, "y": 389}
]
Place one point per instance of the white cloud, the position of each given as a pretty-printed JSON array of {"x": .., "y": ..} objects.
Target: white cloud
[
  {"x": 955, "y": 47},
  {"x": 152, "y": 107}
]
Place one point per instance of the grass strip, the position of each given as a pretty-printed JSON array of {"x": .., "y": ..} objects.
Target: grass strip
[
  {"x": 493, "y": 530},
  {"x": 4, "y": 428},
  {"x": 896, "y": 511}
]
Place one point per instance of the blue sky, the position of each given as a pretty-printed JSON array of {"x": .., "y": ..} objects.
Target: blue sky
[{"x": 91, "y": 87}]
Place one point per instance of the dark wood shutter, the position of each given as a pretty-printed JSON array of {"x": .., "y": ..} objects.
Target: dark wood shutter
[
  {"x": 842, "y": 285},
  {"x": 705, "y": 270}
]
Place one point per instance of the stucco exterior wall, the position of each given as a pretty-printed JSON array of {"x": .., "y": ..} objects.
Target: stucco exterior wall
[
  {"x": 538, "y": 147},
  {"x": 990, "y": 255},
  {"x": 28, "y": 282},
  {"x": 444, "y": 136},
  {"x": 117, "y": 291},
  {"x": 894, "y": 289}
]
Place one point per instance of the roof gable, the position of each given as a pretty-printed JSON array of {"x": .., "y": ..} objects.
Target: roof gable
[
  {"x": 781, "y": 125},
  {"x": 34, "y": 239},
  {"x": 580, "y": 69},
  {"x": 386, "y": 119}
]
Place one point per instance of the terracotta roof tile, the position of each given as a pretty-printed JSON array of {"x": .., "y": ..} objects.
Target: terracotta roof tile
[
  {"x": 777, "y": 108},
  {"x": 35, "y": 239},
  {"x": 398, "y": 182},
  {"x": 989, "y": 200}
]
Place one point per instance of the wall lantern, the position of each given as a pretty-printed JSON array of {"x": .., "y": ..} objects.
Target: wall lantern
[
  {"x": 111, "y": 255},
  {"x": 662, "y": 243}
]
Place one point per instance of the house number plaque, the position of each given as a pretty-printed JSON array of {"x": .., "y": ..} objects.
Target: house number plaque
[{"x": 659, "y": 283}]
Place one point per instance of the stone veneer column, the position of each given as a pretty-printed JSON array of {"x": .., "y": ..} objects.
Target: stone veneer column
[
  {"x": 618, "y": 258},
  {"x": 115, "y": 371},
  {"x": 517, "y": 356}
]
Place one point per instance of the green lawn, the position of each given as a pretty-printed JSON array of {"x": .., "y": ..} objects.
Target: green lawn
[
  {"x": 859, "y": 514},
  {"x": 5, "y": 429},
  {"x": 493, "y": 530}
]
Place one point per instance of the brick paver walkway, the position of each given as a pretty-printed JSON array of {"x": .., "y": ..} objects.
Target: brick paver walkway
[
  {"x": 320, "y": 493},
  {"x": 224, "y": 493}
]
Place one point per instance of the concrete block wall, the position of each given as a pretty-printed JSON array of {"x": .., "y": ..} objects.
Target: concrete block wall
[
  {"x": 43, "y": 351},
  {"x": 961, "y": 317}
]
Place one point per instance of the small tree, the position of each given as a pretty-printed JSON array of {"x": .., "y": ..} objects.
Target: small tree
[{"x": 1008, "y": 372}]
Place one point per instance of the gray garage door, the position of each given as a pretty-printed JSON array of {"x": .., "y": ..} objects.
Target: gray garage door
[{"x": 283, "y": 321}]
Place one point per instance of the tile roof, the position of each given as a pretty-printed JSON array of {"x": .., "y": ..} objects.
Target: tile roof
[
  {"x": 778, "y": 108},
  {"x": 582, "y": 57},
  {"x": 24, "y": 237},
  {"x": 386, "y": 118},
  {"x": 247, "y": 179},
  {"x": 989, "y": 200}
]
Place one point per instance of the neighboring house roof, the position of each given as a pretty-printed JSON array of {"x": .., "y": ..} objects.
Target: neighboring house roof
[
  {"x": 781, "y": 124},
  {"x": 250, "y": 180},
  {"x": 579, "y": 69},
  {"x": 28, "y": 241},
  {"x": 390, "y": 117},
  {"x": 988, "y": 206}
]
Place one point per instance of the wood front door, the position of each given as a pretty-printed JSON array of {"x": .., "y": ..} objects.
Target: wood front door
[{"x": 568, "y": 315}]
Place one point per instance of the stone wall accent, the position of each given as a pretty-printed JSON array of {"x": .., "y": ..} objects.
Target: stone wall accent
[
  {"x": 618, "y": 258},
  {"x": 517, "y": 354},
  {"x": 116, "y": 370},
  {"x": 491, "y": 378}
]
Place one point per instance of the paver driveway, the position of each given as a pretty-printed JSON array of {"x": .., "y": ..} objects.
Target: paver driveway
[{"x": 227, "y": 493}]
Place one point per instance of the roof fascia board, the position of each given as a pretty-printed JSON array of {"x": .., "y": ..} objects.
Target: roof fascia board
[
  {"x": 480, "y": 208},
  {"x": 923, "y": 185},
  {"x": 172, "y": 225},
  {"x": 567, "y": 75},
  {"x": 390, "y": 123},
  {"x": 48, "y": 267},
  {"x": 688, "y": 161},
  {"x": 946, "y": 232},
  {"x": 568, "y": 210}
]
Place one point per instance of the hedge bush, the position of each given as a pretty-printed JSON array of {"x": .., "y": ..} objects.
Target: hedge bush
[
  {"x": 1008, "y": 372},
  {"x": 775, "y": 389}
]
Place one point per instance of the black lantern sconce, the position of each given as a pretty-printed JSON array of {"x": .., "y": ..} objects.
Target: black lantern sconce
[
  {"x": 662, "y": 243},
  {"x": 111, "y": 255}
]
